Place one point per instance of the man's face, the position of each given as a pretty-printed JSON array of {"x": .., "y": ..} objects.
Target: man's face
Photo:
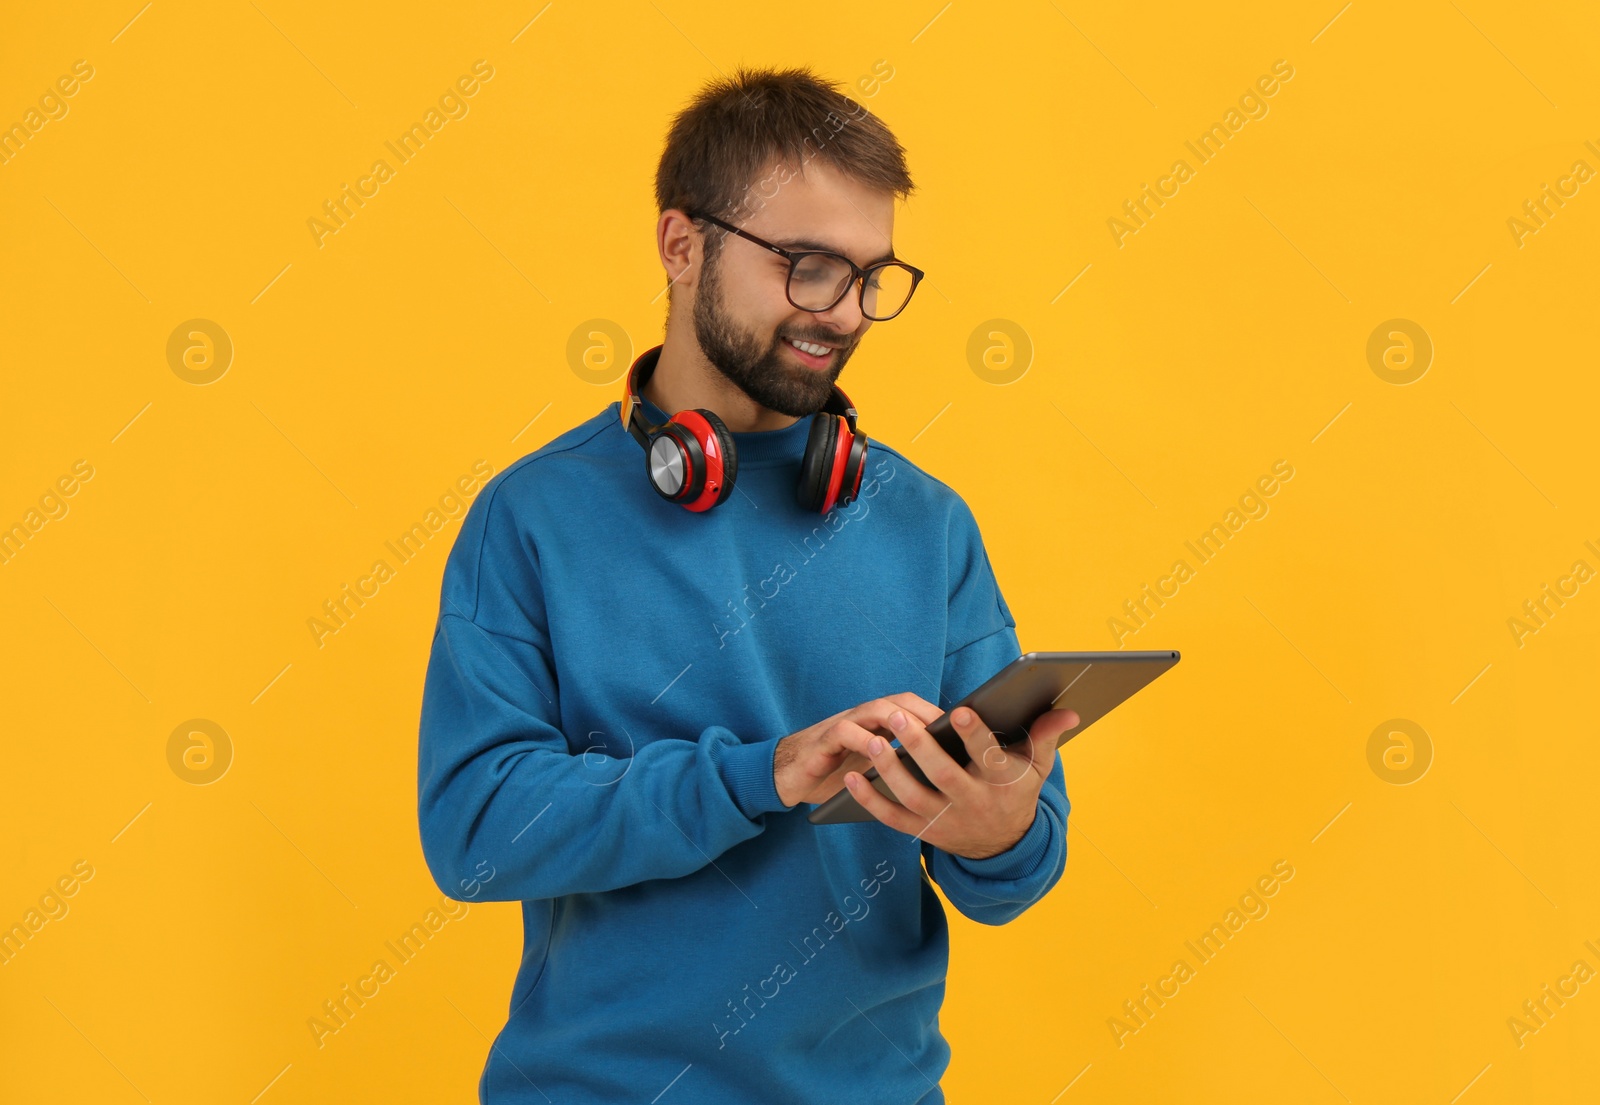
[{"x": 742, "y": 316}]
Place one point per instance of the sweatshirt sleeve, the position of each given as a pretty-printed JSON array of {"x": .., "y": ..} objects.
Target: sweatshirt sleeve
[
  {"x": 498, "y": 782},
  {"x": 982, "y": 639}
]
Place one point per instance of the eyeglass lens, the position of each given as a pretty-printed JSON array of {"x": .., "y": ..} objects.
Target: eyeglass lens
[{"x": 819, "y": 280}]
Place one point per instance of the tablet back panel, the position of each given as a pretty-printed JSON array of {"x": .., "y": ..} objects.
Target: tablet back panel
[{"x": 1092, "y": 683}]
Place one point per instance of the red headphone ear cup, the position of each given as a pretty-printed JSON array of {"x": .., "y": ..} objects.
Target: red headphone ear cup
[
  {"x": 837, "y": 466},
  {"x": 705, "y": 449},
  {"x": 812, "y": 485}
]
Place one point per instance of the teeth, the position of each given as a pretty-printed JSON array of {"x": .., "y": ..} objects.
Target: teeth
[{"x": 811, "y": 347}]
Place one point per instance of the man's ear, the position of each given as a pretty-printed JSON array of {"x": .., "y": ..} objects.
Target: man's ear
[{"x": 679, "y": 245}]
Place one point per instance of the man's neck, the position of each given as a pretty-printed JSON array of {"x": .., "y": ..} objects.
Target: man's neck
[{"x": 683, "y": 379}]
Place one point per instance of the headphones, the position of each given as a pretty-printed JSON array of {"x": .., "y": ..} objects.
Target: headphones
[{"x": 693, "y": 459}]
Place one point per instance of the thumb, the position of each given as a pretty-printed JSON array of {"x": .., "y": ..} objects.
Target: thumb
[{"x": 1046, "y": 732}]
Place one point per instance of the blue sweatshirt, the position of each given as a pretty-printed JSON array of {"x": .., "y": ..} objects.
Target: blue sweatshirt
[{"x": 609, "y": 677}]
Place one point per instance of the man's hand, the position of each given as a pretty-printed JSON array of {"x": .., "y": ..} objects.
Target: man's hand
[
  {"x": 808, "y": 766},
  {"x": 980, "y": 810}
]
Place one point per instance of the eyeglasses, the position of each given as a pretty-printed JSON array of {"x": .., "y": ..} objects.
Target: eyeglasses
[{"x": 818, "y": 280}]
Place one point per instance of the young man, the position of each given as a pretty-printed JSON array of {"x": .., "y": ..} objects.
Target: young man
[{"x": 620, "y": 723}]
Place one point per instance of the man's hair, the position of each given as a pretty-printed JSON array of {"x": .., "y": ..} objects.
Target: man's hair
[{"x": 736, "y": 127}]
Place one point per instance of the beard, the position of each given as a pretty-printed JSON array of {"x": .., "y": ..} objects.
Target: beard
[{"x": 757, "y": 366}]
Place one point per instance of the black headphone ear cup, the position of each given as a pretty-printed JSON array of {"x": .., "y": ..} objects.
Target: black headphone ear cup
[
  {"x": 815, "y": 465},
  {"x": 730, "y": 453}
]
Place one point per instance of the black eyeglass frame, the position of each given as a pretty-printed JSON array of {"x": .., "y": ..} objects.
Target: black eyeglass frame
[{"x": 858, "y": 275}]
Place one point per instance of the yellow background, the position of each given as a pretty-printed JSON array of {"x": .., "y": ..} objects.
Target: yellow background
[{"x": 1227, "y": 334}]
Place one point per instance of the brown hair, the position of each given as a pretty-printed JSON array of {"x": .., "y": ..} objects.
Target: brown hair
[{"x": 735, "y": 127}]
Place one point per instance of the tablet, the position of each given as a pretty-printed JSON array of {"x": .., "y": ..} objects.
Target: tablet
[{"x": 1092, "y": 683}]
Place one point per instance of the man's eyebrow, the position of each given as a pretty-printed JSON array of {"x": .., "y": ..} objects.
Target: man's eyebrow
[{"x": 812, "y": 243}]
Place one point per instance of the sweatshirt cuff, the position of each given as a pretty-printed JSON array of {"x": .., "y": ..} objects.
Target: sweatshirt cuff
[
  {"x": 1016, "y": 862},
  {"x": 747, "y": 773}
]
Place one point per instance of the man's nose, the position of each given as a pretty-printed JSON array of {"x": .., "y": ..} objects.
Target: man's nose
[{"x": 845, "y": 316}]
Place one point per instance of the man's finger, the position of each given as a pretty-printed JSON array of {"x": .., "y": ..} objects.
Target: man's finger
[
  {"x": 919, "y": 707},
  {"x": 943, "y": 773},
  {"x": 875, "y": 714},
  {"x": 890, "y": 813},
  {"x": 1045, "y": 734},
  {"x": 850, "y": 736},
  {"x": 917, "y": 799},
  {"x": 834, "y": 781},
  {"x": 990, "y": 760}
]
